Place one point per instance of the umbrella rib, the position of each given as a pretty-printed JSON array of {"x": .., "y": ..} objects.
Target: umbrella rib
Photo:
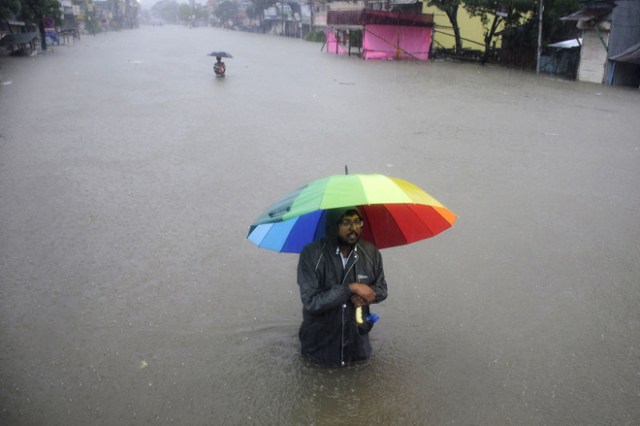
[
  {"x": 433, "y": 230},
  {"x": 411, "y": 208},
  {"x": 360, "y": 185}
]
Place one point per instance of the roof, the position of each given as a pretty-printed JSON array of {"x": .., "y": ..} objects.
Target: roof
[
  {"x": 567, "y": 44},
  {"x": 367, "y": 17},
  {"x": 595, "y": 13},
  {"x": 631, "y": 55}
]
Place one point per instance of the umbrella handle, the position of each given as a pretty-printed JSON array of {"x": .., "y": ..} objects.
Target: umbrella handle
[{"x": 372, "y": 318}]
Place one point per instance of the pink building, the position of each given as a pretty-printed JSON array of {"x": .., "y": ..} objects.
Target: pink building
[{"x": 384, "y": 35}]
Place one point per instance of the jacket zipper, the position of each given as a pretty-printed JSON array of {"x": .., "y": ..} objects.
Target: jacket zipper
[{"x": 344, "y": 307}]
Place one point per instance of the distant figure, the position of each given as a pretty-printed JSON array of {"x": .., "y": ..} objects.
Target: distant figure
[{"x": 219, "y": 68}]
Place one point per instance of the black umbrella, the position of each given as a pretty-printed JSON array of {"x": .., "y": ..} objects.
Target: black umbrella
[{"x": 220, "y": 54}]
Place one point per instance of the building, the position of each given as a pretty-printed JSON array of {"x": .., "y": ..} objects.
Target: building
[
  {"x": 623, "y": 66},
  {"x": 594, "y": 20},
  {"x": 379, "y": 34},
  {"x": 610, "y": 51}
]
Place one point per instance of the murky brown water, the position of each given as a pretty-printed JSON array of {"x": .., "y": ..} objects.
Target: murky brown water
[{"x": 128, "y": 295}]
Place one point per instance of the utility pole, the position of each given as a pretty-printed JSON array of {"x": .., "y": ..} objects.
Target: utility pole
[{"x": 540, "y": 11}]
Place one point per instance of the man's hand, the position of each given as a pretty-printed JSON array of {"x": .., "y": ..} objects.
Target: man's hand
[
  {"x": 358, "y": 301},
  {"x": 363, "y": 291}
]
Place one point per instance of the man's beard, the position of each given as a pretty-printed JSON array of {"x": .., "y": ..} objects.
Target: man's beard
[{"x": 347, "y": 242}]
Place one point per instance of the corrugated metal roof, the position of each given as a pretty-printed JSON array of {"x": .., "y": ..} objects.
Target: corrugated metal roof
[
  {"x": 379, "y": 17},
  {"x": 631, "y": 55},
  {"x": 588, "y": 14},
  {"x": 567, "y": 44}
]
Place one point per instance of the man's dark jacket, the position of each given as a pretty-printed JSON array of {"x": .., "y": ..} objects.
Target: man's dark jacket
[{"x": 329, "y": 334}]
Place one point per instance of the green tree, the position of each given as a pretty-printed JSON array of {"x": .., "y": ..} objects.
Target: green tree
[
  {"x": 34, "y": 12},
  {"x": 450, "y": 8},
  {"x": 200, "y": 11},
  {"x": 184, "y": 12},
  {"x": 257, "y": 8},
  {"x": 553, "y": 29},
  {"x": 493, "y": 14},
  {"x": 9, "y": 9},
  {"x": 166, "y": 10},
  {"x": 227, "y": 10}
]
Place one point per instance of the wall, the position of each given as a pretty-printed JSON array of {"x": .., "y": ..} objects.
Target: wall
[
  {"x": 625, "y": 27},
  {"x": 625, "y": 33},
  {"x": 593, "y": 57},
  {"x": 471, "y": 29}
]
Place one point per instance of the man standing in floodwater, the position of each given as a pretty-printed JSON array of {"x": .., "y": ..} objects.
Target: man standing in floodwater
[{"x": 336, "y": 275}]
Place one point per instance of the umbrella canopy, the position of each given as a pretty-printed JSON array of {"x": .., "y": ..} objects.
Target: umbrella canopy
[
  {"x": 395, "y": 212},
  {"x": 220, "y": 54}
]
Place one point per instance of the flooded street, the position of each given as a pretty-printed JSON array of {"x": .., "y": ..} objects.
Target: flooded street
[{"x": 128, "y": 294}]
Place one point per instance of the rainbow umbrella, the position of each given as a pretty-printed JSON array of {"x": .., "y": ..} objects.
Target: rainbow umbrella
[{"x": 395, "y": 212}]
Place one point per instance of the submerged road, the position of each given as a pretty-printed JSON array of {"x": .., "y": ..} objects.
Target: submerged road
[{"x": 128, "y": 294}]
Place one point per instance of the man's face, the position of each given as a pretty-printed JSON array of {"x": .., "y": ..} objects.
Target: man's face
[{"x": 349, "y": 229}]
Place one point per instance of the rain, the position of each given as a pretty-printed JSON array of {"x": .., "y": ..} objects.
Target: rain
[{"x": 129, "y": 176}]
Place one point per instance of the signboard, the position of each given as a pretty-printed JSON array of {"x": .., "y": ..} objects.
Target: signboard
[{"x": 49, "y": 23}]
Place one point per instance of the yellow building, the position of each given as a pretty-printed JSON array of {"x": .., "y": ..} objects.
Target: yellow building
[{"x": 471, "y": 29}]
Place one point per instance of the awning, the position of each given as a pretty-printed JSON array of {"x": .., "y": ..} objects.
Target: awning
[
  {"x": 586, "y": 15},
  {"x": 567, "y": 44},
  {"x": 631, "y": 55},
  {"x": 377, "y": 17}
]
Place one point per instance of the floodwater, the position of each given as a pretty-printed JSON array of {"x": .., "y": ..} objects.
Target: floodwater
[{"x": 129, "y": 295}]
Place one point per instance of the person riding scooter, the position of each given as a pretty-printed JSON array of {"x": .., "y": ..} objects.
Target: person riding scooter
[{"x": 219, "y": 68}]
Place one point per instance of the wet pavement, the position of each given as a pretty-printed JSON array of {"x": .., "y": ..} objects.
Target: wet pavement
[{"x": 128, "y": 294}]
